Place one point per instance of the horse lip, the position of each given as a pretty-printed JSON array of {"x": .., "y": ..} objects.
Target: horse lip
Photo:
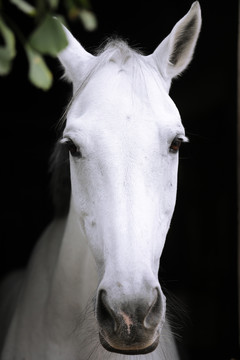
[{"x": 128, "y": 351}]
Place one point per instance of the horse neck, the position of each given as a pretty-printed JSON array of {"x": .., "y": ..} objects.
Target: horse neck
[{"x": 73, "y": 282}]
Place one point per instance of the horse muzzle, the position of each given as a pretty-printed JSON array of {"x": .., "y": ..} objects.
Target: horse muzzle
[{"x": 132, "y": 327}]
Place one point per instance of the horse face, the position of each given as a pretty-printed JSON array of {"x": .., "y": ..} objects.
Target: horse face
[
  {"x": 123, "y": 156},
  {"x": 123, "y": 132}
]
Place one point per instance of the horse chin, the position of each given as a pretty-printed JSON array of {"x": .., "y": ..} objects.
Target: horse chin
[{"x": 128, "y": 351}]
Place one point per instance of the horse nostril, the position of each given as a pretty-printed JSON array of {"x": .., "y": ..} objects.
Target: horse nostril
[
  {"x": 155, "y": 312},
  {"x": 105, "y": 314}
]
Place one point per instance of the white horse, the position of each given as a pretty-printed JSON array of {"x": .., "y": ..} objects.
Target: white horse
[{"x": 91, "y": 290}]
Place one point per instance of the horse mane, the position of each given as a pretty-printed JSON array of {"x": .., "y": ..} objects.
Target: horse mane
[
  {"x": 112, "y": 50},
  {"x": 60, "y": 184}
]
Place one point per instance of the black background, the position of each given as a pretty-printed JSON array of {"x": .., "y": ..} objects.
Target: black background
[{"x": 199, "y": 263}]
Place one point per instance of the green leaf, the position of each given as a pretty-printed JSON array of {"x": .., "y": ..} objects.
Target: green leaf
[
  {"x": 53, "y": 3},
  {"x": 5, "y": 62},
  {"x": 24, "y": 7},
  {"x": 39, "y": 74},
  {"x": 7, "y": 51},
  {"x": 60, "y": 18},
  {"x": 49, "y": 37},
  {"x": 9, "y": 38},
  {"x": 88, "y": 19}
]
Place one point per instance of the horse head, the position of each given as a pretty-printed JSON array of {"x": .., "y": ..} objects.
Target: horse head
[{"x": 123, "y": 133}]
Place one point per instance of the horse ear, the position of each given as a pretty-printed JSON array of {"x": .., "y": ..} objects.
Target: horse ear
[
  {"x": 175, "y": 52},
  {"x": 74, "y": 58}
]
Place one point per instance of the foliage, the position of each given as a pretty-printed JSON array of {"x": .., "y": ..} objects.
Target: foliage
[{"x": 46, "y": 38}]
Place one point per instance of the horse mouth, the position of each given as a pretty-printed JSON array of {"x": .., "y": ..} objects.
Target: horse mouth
[{"x": 128, "y": 351}]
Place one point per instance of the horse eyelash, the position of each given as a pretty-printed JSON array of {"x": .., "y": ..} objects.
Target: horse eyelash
[
  {"x": 184, "y": 138},
  {"x": 64, "y": 140}
]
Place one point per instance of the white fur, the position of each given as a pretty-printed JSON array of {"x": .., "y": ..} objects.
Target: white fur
[{"x": 123, "y": 197}]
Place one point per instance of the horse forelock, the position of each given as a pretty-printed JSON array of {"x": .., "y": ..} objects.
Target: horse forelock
[{"x": 116, "y": 50}]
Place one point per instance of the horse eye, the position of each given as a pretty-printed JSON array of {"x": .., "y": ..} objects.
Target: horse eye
[
  {"x": 175, "y": 145},
  {"x": 73, "y": 149}
]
